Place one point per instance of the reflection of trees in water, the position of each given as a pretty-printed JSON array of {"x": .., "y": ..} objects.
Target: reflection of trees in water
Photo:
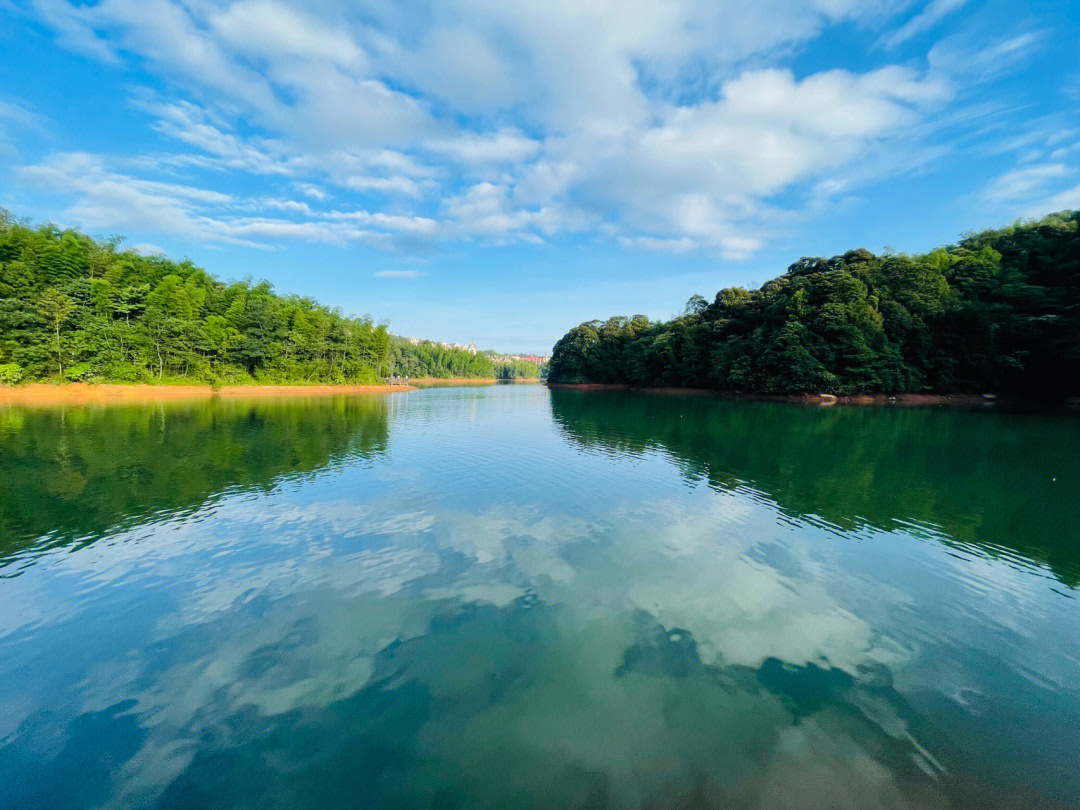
[
  {"x": 73, "y": 473},
  {"x": 1000, "y": 480}
]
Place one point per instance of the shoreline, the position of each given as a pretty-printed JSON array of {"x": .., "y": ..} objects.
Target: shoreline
[
  {"x": 108, "y": 393},
  {"x": 826, "y": 400},
  {"x": 466, "y": 381}
]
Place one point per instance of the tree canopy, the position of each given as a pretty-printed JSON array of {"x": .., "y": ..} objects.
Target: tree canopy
[
  {"x": 77, "y": 308},
  {"x": 999, "y": 311},
  {"x": 519, "y": 370}
]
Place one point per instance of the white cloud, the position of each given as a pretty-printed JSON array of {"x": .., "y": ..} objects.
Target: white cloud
[
  {"x": 507, "y": 145},
  {"x": 196, "y": 127},
  {"x": 312, "y": 190},
  {"x": 108, "y": 199},
  {"x": 977, "y": 61},
  {"x": 1024, "y": 182},
  {"x": 73, "y": 30},
  {"x": 487, "y": 210},
  {"x": 22, "y": 116},
  {"x": 410, "y": 274},
  {"x": 294, "y": 206},
  {"x": 682, "y": 244},
  {"x": 266, "y": 29},
  {"x": 1063, "y": 200},
  {"x": 386, "y": 185},
  {"x": 392, "y": 222},
  {"x": 515, "y": 121},
  {"x": 931, "y": 15},
  {"x": 105, "y": 199},
  {"x": 147, "y": 249},
  {"x": 458, "y": 66},
  {"x": 704, "y": 172}
]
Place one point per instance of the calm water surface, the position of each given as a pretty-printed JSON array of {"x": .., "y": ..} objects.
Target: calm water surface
[{"x": 507, "y": 597}]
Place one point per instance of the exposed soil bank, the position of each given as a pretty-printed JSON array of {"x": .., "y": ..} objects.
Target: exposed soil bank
[
  {"x": 809, "y": 399},
  {"x": 87, "y": 394}
]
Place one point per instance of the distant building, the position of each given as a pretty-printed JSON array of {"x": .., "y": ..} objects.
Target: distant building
[{"x": 538, "y": 359}]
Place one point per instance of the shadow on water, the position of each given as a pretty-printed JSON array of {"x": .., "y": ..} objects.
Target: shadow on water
[
  {"x": 1001, "y": 480},
  {"x": 77, "y": 472}
]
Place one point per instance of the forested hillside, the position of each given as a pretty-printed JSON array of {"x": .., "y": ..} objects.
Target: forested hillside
[
  {"x": 1000, "y": 311},
  {"x": 77, "y": 308}
]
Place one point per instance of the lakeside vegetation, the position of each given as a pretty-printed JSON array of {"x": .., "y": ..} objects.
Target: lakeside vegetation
[
  {"x": 74, "y": 308},
  {"x": 1000, "y": 311},
  {"x": 519, "y": 370},
  {"x": 428, "y": 359}
]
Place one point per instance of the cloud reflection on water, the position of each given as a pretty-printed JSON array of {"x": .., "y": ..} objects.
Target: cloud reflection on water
[{"x": 615, "y": 648}]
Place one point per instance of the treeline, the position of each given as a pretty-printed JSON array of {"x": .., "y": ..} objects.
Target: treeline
[
  {"x": 1000, "y": 311},
  {"x": 77, "y": 308},
  {"x": 518, "y": 370},
  {"x": 427, "y": 359},
  {"x": 430, "y": 359}
]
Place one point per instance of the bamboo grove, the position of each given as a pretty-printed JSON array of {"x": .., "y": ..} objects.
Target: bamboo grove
[{"x": 76, "y": 308}]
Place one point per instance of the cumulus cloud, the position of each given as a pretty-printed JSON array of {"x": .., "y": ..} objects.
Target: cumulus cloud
[
  {"x": 650, "y": 122},
  {"x": 487, "y": 209},
  {"x": 703, "y": 173}
]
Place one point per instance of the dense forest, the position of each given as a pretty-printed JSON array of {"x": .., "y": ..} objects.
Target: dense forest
[
  {"x": 998, "y": 312},
  {"x": 77, "y": 308},
  {"x": 519, "y": 370},
  {"x": 429, "y": 359}
]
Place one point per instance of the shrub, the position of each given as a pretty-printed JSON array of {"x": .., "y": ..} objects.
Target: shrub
[{"x": 10, "y": 373}]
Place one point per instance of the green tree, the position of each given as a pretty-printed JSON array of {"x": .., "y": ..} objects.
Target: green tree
[
  {"x": 72, "y": 306},
  {"x": 1000, "y": 311},
  {"x": 56, "y": 308}
]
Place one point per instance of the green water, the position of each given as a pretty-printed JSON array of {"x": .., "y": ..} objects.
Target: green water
[{"x": 507, "y": 597}]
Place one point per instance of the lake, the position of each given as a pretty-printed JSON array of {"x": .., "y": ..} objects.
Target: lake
[{"x": 509, "y": 597}]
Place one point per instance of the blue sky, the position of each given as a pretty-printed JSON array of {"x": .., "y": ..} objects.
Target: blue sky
[{"x": 497, "y": 172}]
